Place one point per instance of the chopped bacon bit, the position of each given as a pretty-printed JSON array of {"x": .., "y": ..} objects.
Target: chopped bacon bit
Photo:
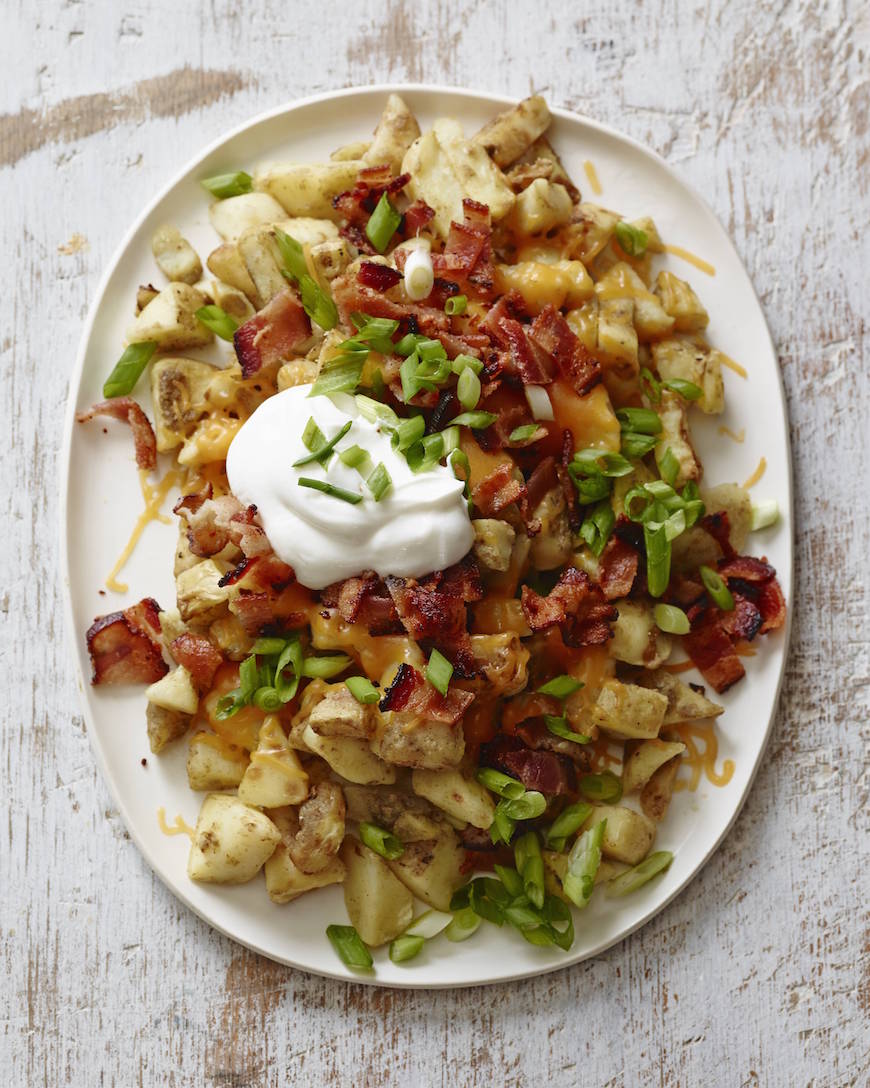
[
  {"x": 542, "y": 480},
  {"x": 617, "y": 567},
  {"x": 718, "y": 526},
  {"x": 537, "y": 770},
  {"x": 712, "y": 651},
  {"x": 364, "y": 600},
  {"x": 508, "y": 404},
  {"x": 358, "y": 203},
  {"x": 444, "y": 410},
  {"x": 526, "y": 361},
  {"x": 467, "y": 253},
  {"x": 274, "y": 334},
  {"x": 535, "y": 734},
  {"x": 199, "y": 656},
  {"x": 380, "y": 277},
  {"x": 262, "y": 572},
  {"x": 128, "y": 411},
  {"x": 569, "y": 491},
  {"x": 552, "y": 334},
  {"x": 743, "y": 621},
  {"x": 124, "y": 646},
  {"x": 254, "y": 610},
  {"x": 575, "y": 605},
  {"x": 409, "y": 693},
  {"x": 771, "y": 605},
  {"x": 747, "y": 568},
  {"x": 498, "y": 490},
  {"x": 416, "y": 217},
  {"x": 190, "y": 504}
]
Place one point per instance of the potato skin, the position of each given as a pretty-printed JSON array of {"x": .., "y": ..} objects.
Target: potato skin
[
  {"x": 379, "y": 905},
  {"x": 231, "y": 843}
]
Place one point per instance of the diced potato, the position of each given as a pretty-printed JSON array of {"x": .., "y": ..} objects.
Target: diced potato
[
  {"x": 540, "y": 156},
  {"x": 171, "y": 626},
  {"x": 286, "y": 882},
  {"x": 214, "y": 764},
  {"x": 355, "y": 150},
  {"x": 379, "y": 905},
  {"x": 553, "y": 545},
  {"x": 591, "y": 231},
  {"x": 331, "y": 257},
  {"x": 546, "y": 283},
  {"x": 178, "y": 390},
  {"x": 584, "y": 323},
  {"x": 417, "y": 827},
  {"x": 464, "y": 798},
  {"x": 259, "y": 251},
  {"x": 416, "y": 742},
  {"x": 636, "y": 638},
  {"x": 184, "y": 557},
  {"x": 684, "y": 703},
  {"x": 319, "y": 829},
  {"x": 656, "y": 794},
  {"x": 174, "y": 691},
  {"x": 170, "y": 320},
  {"x": 511, "y": 133},
  {"x": 164, "y": 726},
  {"x": 493, "y": 542},
  {"x": 144, "y": 295},
  {"x": 307, "y": 188},
  {"x": 396, "y": 131},
  {"x": 175, "y": 256},
  {"x": 199, "y": 593},
  {"x": 274, "y": 777},
  {"x": 654, "y": 243},
  {"x": 681, "y": 302},
  {"x": 698, "y": 363},
  {"x": 645, "y": 760},
  {"x": 628, "y": 835},
  {"x": 735, "y": 501},
  {"x": 226, "y": 263},
  {"x": 351, "y": 758},
  {"x": 673, "y": 412},
  {"x": 693, "y": 548},
  {"x": 432, "y": 869},
  {"x": 309, "y": 230},
  {"x": 617, "y": 338},
  {"x": 622, "y": 281},
  {"x": 503, "y": 661},
  {"x": 626, "y": 710},
  {"x": 232, "y": 639},
  {"x": 232, "y": 301},
  {"x": 542, "y": 206},
  {"x": 233, "y": 216},
  {"x": 338, "y": 714},
  {"x": 232, "y": 841}
]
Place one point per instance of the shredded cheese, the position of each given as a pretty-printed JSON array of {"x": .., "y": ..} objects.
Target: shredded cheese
[
  {"x": 154, "y": 497},
  {"x": 180, "y": 827},
  {"x": 686, "y": 255},
  {"x": 736, "y": 436},
  {"x": 736, "y": 367},
  {"x": 756, "y": 476},
  {"x": 592, "y": 176},
  {"x": 701, "y": 760}
]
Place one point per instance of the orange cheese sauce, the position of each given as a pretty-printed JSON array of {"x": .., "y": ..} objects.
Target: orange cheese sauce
[
  {"x": 590, "y": 419},
  {"x": 702, "y": 751},
  {"x": 687, "y": 255}
]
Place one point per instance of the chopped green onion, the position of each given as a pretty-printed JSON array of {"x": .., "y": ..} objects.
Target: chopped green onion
[
  {"x": 528, "y": 807},
  {"x": 325, "y": 451},
  {"x": 450, "y": 435},
  {"x": 341, "y": 376},
  {"x": 764, "y": 514},
  {"x": 632, "y": 240},
  {"x": 312, "y": 437},
  {"x": 379, "y": 481},
  {"x": 556, "y": 910},
  {"x": 317, "y": 303},
  {"x": 374, "y": 412},
  {"x": 291, "y": 656},
  {"x": 639, "y": 420},
  {"x": 426, "y": 453},
  {"x": 218, "y": 320},
  {"x": 488, "y": 898},
  {"x": 671, "y": 619},
  {"x": 349, "y": 947},
  {"x": 476, "y": 420},
  {"x": 568, "y": 821},
  {"x": 604, "y": 787},
  {"x": 358, "y": 458},
  {"x": 638, "y": 875},
  {"x": 266, "y": 698},
  {"x": 583, "y": 862},
  {"x": 383, "y": 842},
  {"x": 383, "y": 224},
  {"x": 502, "y": 827},
  {"x": 511, "y": 879},
  {"x": 330, "y": 489},
  {"x": 267, "y": 646},
  {"x": 530, "y": 866},
  {"x": 468, "y": 389},
  {"x": 686, "y": 389},
  {"x": 405, "y": 947},
  {"x": 226, "y": 185},
  {"x": 438, "y": 672},
  {"x": 408, "y": 432},
  {"x": 718, "y": 590},
  {"x": 528, "y": 433},
  {"x": 362, "y": 689},
  {"x": 560, "y": 686},
  {"x": 559, "y": 727},
  {"x": 464, "y": 925},
  {"x": 499, "y": 783},
  {"x": 649, "y": 385},
  {"x": 128, "y": 369},
  {"x": 658, "y": 559},
  {"x": 292, "y": 254},
  {"x": 428, "y": 924},
  {"x": 590, "y": 488},
  {"x": 456, "y": 305},
  {"x": 637, "y": 445},
  {"x": 597, "y": 527},
  {"x": 377, "y": 332},
  {"x": 460, "y": 457},
  {"x": 325, "y": 667},
  {"x": 466, "y": 362},
  {"x": 602, "y": 462},
  {"x": 407, "y": 345}
]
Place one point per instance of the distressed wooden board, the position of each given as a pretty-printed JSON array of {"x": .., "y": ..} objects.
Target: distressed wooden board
[{"x": 760, "y": 973}]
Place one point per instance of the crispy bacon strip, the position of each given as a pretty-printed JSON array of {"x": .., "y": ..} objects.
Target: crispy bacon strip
[
  {"x": 274, "y": 334},
  {"x": 467, "y": 253},
  {"x": 199, "y": 656},
  {"x": 569, "y": 491},
  {"x": 263, "y": 572},
  {"x": 410, "y": 694},
  {"x": 547, "y": 772},
  {"x": 128, "y": 411},
  {"x": 618, "y": 566},
  {"x": 358, "y": 203},
  {"x": 525, "y": 360},
  {"x": 719, "y": 528},
  {"x": 124, "y": 646},
  {"x": 743, "y": 621},
  {"x": 575, "y": 605},
  {"x": 771, "y": 605},
  {"x": 416, "y": 217},
  {"x": 712, "y": 651},
  {"x": 364, "y": 600},
  {"x": 498, "y": 490},
  {"x": 552, "y": 334},
  {"x": 380, "y": 277}
]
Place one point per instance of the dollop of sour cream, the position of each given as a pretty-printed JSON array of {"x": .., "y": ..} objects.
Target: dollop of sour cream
[{"x": 421, "y": 524}]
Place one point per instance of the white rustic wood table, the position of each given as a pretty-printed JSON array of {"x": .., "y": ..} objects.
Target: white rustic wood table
[{"x": 760, "y": 973}]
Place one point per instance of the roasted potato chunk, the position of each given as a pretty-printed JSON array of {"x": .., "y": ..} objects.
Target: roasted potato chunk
[
  {"x": 170, "y": 320},
  {"x": 431, "y": 869},
  {"x": 542, "y": 206},
  {"x": 692, "y": 362},
  {"x": 226, "y": 263},
  {"x": 237, "y": 214},
  {"x": 511, "y": 133},
  {"x": 628, "y": 835},
  {"x": 553, "y": 545},
  {"x": 232, "y": 841},
  {"x": 320, "y": 828},
  {"x": 681, "y": 302},
  {"x": 338, "y": 714},
  {"x": 274, "y": 777},
  {"x": 396, "y": 131},
  {"x": 178, "y": 389},
  {"x": 286, "y": 882},
  {"x": 502, "y": 659},
  {"x": 673, "y": 412},
  {"x": 200, "y": 595},
  {"x": 636, "y": 638},
  {"x": 626, "y": 710},
  {"x": 684, "y": 704},
  {"x": 164, "y": 726},
  {"x": 419, "y": 743},
  {"x": 307, "y": 188},
  {"x": 461, "y": 797},
  {"x": 379, "y": 905},
  {"x": 645, "y": 760},
  {"x": 656, "y": 794},
  {"x": 175, "y": 256},
  {"x": 493, "y": 543},
  {"x": 351, "y": 758},
  {"x": 213, "y": 764}
]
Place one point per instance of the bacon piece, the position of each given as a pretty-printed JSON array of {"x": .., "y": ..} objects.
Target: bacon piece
[
  {"x": 712, "y": 651},
  {"x": 364, "y": 600},
  {"x": 199, "y": 656},
  {"x": 617, "y": 567},
  {"x": 542, "y": 480},
  {"x": 254, "y": 610},
  {"x": 743, "y": 621},
  {"x": 547, "y": 772},
  {"x": 719, "y": 528},
  {"x": 748, "y": 569},
  {"x": 467, "y": 253},
  {"x": 214, "y": 523},
  {"x": 190, "y": 504},
  {"x": 416, "y": 217},
  {"x": 498, "y": 490},
  {"x": 274, "y": 334},
  {"x": 526, "y": 361},
  {"x": 552, "y": 334},
  {"x": 535, "y": 734},
  {"x": 771, "y": 605},
  {"x": 128, "y": 411},
  {"x": 358, "y": 203},
  {"x": 575, "y": 605},
  {"x": 262, "y": 572},
  {"x": 569, "y": 491},
  {"x": 380, "y": 277},
  {"x": 410, "y": 694},
  {"x": 124, "y": 646}
]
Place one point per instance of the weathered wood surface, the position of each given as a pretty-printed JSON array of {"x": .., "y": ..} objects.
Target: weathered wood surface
[{"x": 760, "y": 973}]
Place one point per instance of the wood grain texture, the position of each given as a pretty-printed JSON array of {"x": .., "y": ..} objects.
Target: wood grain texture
[{"x": 759, "y": 974}]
